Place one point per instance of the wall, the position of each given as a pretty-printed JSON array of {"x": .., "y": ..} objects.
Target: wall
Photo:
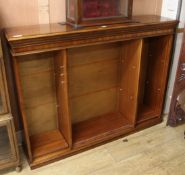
[
  {"x": 29, "y": 12},
  {"x": 18, "y": 12}
]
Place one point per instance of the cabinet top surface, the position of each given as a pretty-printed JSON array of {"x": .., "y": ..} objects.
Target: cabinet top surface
[{"x": 36, "y": 31}]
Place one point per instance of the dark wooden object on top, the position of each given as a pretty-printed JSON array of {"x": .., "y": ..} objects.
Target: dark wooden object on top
[
  {"x": 82, "y": 13},
  {"x": 80, "y": 88},
  {"x": 177, "y": 111}
]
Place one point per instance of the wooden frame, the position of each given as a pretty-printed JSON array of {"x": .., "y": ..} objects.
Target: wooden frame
[
  {"x": 97, "y": 80},
  {"x": 13, "y": 159},
  {"x": 6, "y": 120},
  {"x": 79, "y": 21}
]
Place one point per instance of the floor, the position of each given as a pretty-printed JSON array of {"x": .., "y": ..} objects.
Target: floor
[{"x": 159, "y": 150}]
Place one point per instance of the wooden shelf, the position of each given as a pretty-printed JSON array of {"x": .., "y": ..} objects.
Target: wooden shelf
[
  {"x": 47, "y": 143},
  {"x": 146, "y": 113},
  {"x": 99, "y": 128}
]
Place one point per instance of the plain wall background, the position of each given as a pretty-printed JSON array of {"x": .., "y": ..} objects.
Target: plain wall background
[{"x": 30, "y": 12}]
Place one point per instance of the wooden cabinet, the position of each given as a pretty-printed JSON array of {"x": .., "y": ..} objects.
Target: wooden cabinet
[
  {"x": 79, "y": 88},
  {"x": 9, "y": 153}
]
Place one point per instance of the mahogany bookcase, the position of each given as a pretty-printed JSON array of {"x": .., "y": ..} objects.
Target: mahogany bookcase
[{"x": 81, "y": 87}]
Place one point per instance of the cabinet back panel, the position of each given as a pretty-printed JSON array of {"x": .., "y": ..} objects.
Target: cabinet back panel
[
  {"x": 39, "y": 92},
  {"x": 93, "y": 105},
  {"x": 93, "y": 80},
  {"x": 93, "y": 77},
  {"x": 38, "y": 84},
  {"x": 33, "y": 64},
  {"x": 41, "y": 118},
  {"x": 91, "y": 54}
]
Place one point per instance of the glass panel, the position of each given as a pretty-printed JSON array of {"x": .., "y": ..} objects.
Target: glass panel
[
  {"x": 104, "y": 8},
  {"x": 5, "y": 148},
  {"x": 2, "y": 94},
  {"x": 1, "y": 83},
  {"x": 71, "y": 9},
  {"x": 1, "y": 104}
]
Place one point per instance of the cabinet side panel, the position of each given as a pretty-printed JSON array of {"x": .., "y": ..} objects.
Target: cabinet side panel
[
  {"x": 64, "y": 120},
  {"x": 21, "y": 105},
  {"x": 129, "y": 84}
]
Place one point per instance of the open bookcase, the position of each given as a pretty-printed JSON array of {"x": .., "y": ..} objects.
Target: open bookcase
[
  {"x": 81, "y": 96},
  {"x": 79, "y": 88}
]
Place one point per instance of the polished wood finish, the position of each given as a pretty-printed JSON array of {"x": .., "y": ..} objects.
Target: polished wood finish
[
  {"x": 156, "y": 63},
  {"x": 46, "y": 143},
  {"x": 129, "y": 83},
  {"x": 13, "y": 98},
  {"x": 99, "y": 128},
  {"x": 102, "y": 82},
  {"x": 49, "y": 37}
]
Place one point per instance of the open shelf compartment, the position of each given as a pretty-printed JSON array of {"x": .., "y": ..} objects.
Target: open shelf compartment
[
  {"x": 42, "y": 86},
  {"x": 154, "y": 70},
  {"x": 103, "y": 90}
]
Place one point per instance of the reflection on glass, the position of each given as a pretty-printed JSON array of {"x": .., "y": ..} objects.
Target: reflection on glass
[
  {"x": 71, "y": 9},
  {"x": 180, "y": 106},
  {"x": 104, "y": 8},
  {"x": 5, "y": 148},
  {"x": 1, "y": 104}
]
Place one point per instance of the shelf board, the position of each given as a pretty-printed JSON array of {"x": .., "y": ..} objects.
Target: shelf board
[
  {"x": 147, "y": 113},
  {"x": 99, "y": 128},
  {"x": 47, "y": 143}
]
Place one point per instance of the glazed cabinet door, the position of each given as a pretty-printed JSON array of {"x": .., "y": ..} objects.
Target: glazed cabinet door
[
  {"x": 3, "y": 99},
  {"x": 8, "y": 150}
]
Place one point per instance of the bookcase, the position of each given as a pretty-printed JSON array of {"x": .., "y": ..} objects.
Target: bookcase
[{"x": 78, "y": 88}]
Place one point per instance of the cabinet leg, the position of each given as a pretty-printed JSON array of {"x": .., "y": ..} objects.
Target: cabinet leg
[{"x": 18, "y": 168}]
